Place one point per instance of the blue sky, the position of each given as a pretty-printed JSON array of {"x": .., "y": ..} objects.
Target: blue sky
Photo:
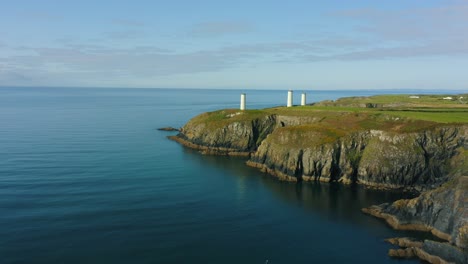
[{"x": 420, "y": 44}]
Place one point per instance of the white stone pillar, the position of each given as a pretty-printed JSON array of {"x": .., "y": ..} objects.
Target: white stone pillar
[
  {"x": 303, "y": 99},
  {"x": 290, "y": 98},
  {"x": 242, "y": 101}
]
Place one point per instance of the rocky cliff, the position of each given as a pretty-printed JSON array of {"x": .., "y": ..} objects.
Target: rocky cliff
[
  {"x": 378, "y": 151},
  {"x": 373, "y": 157},
  {"x": 226, "y": 132},
  {"x": 442, "y": 211}
]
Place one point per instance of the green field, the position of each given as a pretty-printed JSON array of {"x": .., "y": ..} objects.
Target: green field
[
  {"x": 397, "y": 113},
  {"x": 391, "y": 101},
  {"x": 432, "y": 108}
]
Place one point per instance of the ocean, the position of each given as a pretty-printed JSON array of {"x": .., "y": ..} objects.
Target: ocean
[{"x": 85, "y": 177}]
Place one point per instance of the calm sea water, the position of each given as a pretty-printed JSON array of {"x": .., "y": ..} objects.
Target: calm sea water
[{"x": 86, "y": 178}]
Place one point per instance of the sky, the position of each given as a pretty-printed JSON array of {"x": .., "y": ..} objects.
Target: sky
[{"x": 398, "y": 44}]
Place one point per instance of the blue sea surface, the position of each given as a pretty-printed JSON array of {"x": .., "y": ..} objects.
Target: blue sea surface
[{"x": 85, "y": 177}]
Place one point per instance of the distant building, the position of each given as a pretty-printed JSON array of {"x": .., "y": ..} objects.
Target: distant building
[
  {"x": 242, "y": 101},
  {"x": 290, "y": 98}
]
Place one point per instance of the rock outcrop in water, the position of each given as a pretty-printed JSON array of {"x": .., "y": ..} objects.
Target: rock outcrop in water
[
  {"x": 169, "y": 129},
  {"x": 427, "y": 250},
  {"x": 442, "y": 211}
]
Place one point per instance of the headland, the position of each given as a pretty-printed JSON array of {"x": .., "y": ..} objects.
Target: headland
[{"x": 415, "y": 143}]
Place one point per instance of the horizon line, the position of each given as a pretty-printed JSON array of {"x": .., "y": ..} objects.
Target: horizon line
[{"x": 254, "y": 89}]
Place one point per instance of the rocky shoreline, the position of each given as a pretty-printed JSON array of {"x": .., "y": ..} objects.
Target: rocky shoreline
[
  {"x": 427, "y": 250},
  {"x": 168, "y": 129},
  {"x": 209, "y": 150},
  {"x": 375, "y": 151},
  {"x": 442, "y": 211}
]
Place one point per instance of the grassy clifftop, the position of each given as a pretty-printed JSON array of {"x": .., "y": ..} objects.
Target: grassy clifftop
[
  {"x": 373, "y": 140},
  {"x": 395, "y": 113},
  {"x": 432, "y": 108}
]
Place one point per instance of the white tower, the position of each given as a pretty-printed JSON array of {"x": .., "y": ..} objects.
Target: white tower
[
  {"x": 290, "y": 98},
  {"x": 303, "y": 99},
  {"x": 242, "y": 101}
]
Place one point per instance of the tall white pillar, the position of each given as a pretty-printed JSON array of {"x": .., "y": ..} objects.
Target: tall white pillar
[
  {"x": 290, "y": 98},
  {"x": 303, "y": 99},
  {"x": 242, "y": 101}
]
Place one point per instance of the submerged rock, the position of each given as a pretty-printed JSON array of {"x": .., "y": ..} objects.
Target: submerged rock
[{"x": 404, "y": 242}]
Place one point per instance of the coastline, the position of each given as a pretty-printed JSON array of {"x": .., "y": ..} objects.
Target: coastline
[
  {"x": 442, "y": 212},
  {"x": 300, "y": 147},
  {"x": 220, "y": 151},
  {"x": 393, "y": 221}
]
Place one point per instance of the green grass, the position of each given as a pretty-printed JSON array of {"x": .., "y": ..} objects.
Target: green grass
[
  {"x": 439, "y": 114},
  {"x": 438, "y": 117},
  {"x": 224, "y": 116},
  {"x": 458, "y": 101},
  {"x": 335, "y": 121}
]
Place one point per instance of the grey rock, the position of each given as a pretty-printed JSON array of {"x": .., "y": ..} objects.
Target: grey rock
[
  {"x": 240, "y": 136},
  {"x": 442, "y": 211},
  {"x": 377, "y": 158}
]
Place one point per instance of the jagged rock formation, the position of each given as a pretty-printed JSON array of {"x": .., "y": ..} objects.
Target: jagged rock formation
[
  {"x": 427, "y": 250},
  {"x": 442, "y": 211}
]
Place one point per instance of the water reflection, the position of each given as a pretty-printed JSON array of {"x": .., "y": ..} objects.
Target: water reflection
[
  {"x": 318, "y": 195},
  {"x": 332, "y": 200}
]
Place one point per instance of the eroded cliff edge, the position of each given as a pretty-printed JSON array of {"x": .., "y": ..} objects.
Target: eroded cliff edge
[{"x": 227, "y": 132}]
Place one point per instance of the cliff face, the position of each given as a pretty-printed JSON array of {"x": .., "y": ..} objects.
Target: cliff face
[
  {"x": 229, "y": 136},
  {"x": 411, "y": 159},
  {"x": 372, "y": 157},
  {"x": 306, "y": 148},
  {"x": 301, "y": 155},
  {"x": 442, "y": 211}
]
